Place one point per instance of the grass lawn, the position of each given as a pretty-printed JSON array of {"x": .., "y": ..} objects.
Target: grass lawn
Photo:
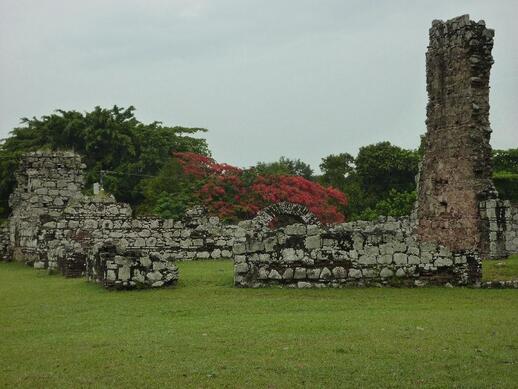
[
  {"x": 500, "y": 270},
  {"x": 58, "y": 332}
]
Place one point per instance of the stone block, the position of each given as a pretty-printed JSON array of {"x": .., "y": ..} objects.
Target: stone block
[
  {"x": 400, "y": 259},
  {"x": 385, "y": 259},
  {"x": 241, "y": 267},
  {"x": 300, "y": 273},
  {"x": 367, "y": 260},
  {"x": 313, "y": 274},
  {"x": 355, "y": 273},
  {"x": 386, "y": 273},
  {"x": 339, "y": 272},
  {"x": 288, "y": 274},
  {"x": 326, "y": 274},
  {"x": 262, "y": 274},
  {"x": 295, "y": 229},
  {"x": 313, "y": 242}
]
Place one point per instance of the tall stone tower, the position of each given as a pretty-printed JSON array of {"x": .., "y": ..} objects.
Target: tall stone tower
[{"x": 456, "y": 169}]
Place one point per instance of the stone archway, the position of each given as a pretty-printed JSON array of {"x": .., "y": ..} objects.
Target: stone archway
[{"x": 296, "y": 213}]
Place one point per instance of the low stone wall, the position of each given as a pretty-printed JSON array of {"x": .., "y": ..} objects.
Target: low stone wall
[
  {"x": 510, "y": 284},
  {"x": 54, "y": 226},
  {"x": 500, "y": 228},
  {"x": 511, "y": 233},
  {"x": 352, "y": 254},
  {"x": 64, "y": 241},
  {"x": 117, "y": 268},
  {"x": 4, "y": 241}
]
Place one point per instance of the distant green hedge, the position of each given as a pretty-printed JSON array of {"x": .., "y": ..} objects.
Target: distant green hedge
[{"x": 507, "y": 185}]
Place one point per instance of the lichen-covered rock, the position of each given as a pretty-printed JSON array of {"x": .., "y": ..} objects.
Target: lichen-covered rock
[
  {"x": 117, "y": 268},
  {"x": 362, "y": 253},
  {"x": 4, "y": 242}
]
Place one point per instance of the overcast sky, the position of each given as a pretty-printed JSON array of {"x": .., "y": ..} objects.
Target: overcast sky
[{"x": 297, "y": 78}]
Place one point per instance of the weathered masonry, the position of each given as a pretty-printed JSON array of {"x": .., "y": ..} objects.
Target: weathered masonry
[
  {"x": 4, "y": 242},
  {"x": 120, "y": 268},
  {"x": 46, "y": 183},
  {"x": 362, "y": 253},
  {"x": 456, "y": 169},
  {"x": 53, "y": 225}
]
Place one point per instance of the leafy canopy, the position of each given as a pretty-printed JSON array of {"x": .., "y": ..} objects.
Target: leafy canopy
[
  {"x": 379, "y": 181},
  {"x": 285, "y": 166},
  {"x": 235, "y": 194},
  {"x": 505, "y": 173},
  {"x": 108, "y": 139}
]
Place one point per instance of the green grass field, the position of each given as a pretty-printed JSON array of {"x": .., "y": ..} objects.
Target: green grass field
[
  {"x": 500, "y": 270},
  {"x": 58, "y": 332}
]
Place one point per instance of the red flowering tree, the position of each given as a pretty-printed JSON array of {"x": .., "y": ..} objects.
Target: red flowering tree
[
  {"x": 326, "y": 203},
  {"x": 237, "y": 194}
]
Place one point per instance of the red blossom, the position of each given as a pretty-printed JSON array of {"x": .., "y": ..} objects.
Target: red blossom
[{"x": 224, "y": 192}]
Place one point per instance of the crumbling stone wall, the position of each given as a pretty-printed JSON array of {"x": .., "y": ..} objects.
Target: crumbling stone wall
[
  {"x": 509, "y": 228},
  {"x": 385, "y": 252},
  {"x": 117, "y": 268},
  {"x": 55, "y": 226},
  {"x": 456, "y": 168},
  {"x": 499, "y": 227},
  {"x": 458, "y": 214},
  {"x": 512, "y": 232},
  {"x": 92, "y": 220},
  {"x": 4, "y": 241},
  {"x": 46, "y": 182}
]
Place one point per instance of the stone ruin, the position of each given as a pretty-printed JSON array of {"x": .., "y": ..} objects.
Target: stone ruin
[
  {"x": 458, "y": 205},
  {"x": 295, "y": 212},
  {"x": 4, "y": 242},
  {"x": 54, "y": 226},
  {"x": 46, "y": 182},
  {"x": 119, "y": 268},
  {"x": 456, "y": 167},
  {"x": 458, "y": 216},
  {"x": 384, "y": 252}
]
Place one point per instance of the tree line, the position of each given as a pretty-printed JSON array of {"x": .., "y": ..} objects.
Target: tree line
[{"x": 163, "y": 170}]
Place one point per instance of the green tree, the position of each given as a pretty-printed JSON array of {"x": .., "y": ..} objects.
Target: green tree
[
  {"x": 505, "y": 161},
  {"x": 394, "y": 204},
  {"x": 379, "y": 181},
  {"x": 108, "y": 139},
  {"x": 285, "y": 166},
  {"x": 383, "y": 166},
  {"x": 505, "y": 173},
  {"x": 170, "y": 193},
  {"x": 336, "y": 169}
]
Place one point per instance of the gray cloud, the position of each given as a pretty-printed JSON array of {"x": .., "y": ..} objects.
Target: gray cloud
[{"x": 298, "y": 78}]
